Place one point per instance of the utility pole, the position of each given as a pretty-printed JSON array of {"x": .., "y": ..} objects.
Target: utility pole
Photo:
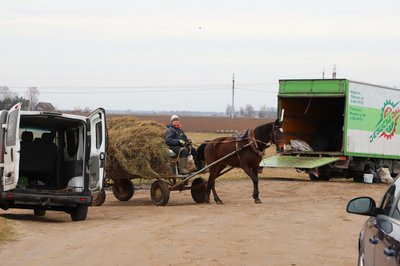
[
  {"x": 233, "y": 97},
  {"x": 334, "y": 72}
]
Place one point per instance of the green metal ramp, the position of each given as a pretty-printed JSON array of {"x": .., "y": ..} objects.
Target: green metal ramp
[{"x": 297, "y": 162}]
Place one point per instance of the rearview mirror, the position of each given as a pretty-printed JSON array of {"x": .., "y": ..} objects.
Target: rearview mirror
[{"x": 362, "y": 206}]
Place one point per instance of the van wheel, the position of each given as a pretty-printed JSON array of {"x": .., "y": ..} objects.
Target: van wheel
[
  {"x": 39, "y": 212},
  {"x": 123, "y": 189},
  {"x": 100, "y": 198},
  {"x": 79, "y": 213}
]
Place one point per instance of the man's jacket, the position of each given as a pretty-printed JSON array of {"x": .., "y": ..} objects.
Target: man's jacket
[{"x": 173, "y": 135}]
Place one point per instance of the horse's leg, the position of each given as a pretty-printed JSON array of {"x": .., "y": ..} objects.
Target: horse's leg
[
  {"x": 210, "y": 184},
  {"x": 214, "y": 173},
  {"x": 253, "y": 174}
]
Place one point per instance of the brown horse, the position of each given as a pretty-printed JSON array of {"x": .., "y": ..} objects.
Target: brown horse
[{"x": 248, "y": 155}]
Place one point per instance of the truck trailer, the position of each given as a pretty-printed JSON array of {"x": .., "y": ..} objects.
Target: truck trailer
[{"x": 338, "y": 128}]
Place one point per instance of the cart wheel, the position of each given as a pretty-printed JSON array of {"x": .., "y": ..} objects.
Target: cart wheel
[
  {"x": 159, "y": 193},
  {"x": 99, "y": 198},
  {"x": 198, "y": 191},
  {"x": 123, "y": 189}
]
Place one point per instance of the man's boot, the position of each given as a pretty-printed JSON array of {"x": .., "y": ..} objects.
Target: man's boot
[{"x": 182, "y": 166}]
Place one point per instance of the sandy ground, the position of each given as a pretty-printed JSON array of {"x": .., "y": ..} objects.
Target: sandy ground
[{"x": 299, "y": 223}]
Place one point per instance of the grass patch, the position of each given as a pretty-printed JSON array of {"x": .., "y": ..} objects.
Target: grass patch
[{"x": 7, "y": 231}]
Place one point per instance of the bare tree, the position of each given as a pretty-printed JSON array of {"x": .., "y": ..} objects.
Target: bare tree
[
  {"x": 249, "y": 111},
  {"x": 228, "y": 110},
  {"x": 6, "y": 93},
  {"x": 263, "y": 112},
  {"x": 241, "y": 111},
  {"x": 32, "y": 95}
]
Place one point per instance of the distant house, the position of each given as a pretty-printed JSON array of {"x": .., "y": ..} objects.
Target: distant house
[{"x": 43, "y": 106}]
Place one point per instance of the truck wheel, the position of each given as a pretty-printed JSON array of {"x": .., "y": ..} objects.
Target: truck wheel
[
  {"x": 198, "y": 190},
  {"x": 159, "y": 193},
  {"x": 313, "y": 177},
  {"x": 39, "y": 212},
  {"x": 324, "y": 175},
  {"x": 123, "y": 189},
  {"x": 79, "y": 213},
  {"x": 99, "y": 198}
]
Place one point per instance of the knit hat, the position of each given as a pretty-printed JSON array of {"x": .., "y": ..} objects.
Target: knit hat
[{"x": 174, "y": 117}]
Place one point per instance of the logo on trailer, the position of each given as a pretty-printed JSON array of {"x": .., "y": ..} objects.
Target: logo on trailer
[{"x": 386, "y": 127}]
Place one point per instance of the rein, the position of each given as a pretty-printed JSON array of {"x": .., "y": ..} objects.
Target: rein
[{"x": 252, "y": 142}]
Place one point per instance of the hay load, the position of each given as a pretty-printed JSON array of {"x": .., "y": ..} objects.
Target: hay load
[{"x": 136, "y": 149}]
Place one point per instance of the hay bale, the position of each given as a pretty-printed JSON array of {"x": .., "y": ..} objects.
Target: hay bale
[{"x": 136, "y": 148}]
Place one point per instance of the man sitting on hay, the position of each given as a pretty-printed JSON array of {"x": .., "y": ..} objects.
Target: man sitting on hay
[{"x": 179, "y": 143}]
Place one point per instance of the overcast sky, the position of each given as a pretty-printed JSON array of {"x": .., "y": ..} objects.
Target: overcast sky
[{"x": 181, "y": 55}]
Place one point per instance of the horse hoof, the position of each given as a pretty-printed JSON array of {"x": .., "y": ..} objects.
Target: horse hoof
[
  {"x": 219, "y": 202},
  {"x": 257, "y": 201}
]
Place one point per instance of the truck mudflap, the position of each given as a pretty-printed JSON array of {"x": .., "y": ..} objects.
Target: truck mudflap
[{"x": 299, "y": 162}]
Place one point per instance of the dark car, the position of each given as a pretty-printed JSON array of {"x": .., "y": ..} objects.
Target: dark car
[{"x": 379, "y": 242}]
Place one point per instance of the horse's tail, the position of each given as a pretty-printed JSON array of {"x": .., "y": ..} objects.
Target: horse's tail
[{"x": 200, "y": 152}]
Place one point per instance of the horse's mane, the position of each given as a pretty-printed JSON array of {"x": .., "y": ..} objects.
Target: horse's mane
[{"x": 262, "y": 133}]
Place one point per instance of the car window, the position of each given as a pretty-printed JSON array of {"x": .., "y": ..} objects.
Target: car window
[
  {"x": 396, "y": 212},
  {"x": 12, "y": 128},
  {"x": 99, "y": 135},
  {"x": 389, "y": 200}
]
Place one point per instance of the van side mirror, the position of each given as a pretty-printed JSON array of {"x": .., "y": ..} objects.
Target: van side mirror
[{"x": 362, "y": 206}]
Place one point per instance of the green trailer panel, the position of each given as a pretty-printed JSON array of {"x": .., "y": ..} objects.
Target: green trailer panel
[
  {"x": 297, "y": 162},
  {"x": 314, "y": 88}
]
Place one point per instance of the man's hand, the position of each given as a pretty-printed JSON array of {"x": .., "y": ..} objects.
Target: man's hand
[
  {"x": 182, "y": 142},
  {"x": 189, "y": 141}
]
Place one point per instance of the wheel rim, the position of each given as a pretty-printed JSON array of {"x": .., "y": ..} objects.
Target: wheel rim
[{"x": 157, "y": 193}]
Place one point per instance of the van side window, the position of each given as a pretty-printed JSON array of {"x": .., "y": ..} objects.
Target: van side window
[
  {"x": 11, "y": 130},
  {"x": 99, "y": 136},
  {"x": 72, "y": 141}
]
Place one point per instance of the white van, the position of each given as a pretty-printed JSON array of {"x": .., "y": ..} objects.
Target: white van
[{"x": 51, "y": 161}]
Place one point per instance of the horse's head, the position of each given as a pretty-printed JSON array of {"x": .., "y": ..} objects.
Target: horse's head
[{"x": 277, "y": 135}]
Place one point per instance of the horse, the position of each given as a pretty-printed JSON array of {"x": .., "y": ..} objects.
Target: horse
[{"x": 247, "y": 155}]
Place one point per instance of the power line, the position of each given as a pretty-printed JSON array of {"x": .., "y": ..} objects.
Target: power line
[{"x": 116, "y": 89}]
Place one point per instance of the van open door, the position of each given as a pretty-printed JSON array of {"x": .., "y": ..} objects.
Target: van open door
[
  {"x": 11, "y": 149},
  {"x": 98, "y": 144}
]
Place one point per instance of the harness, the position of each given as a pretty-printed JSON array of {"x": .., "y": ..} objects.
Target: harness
[
  {"x": 254, "y": 144},
  {"x": 249, "y": 135}
]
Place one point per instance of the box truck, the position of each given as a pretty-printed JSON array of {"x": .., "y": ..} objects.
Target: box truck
[
  {"x": 51, "y": 161},
  {"x": 338, "y": 128}
]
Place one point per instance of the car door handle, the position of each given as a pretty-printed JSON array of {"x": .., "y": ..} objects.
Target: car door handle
[
  {"x": 373, "y": 240},
  {"x": 389, "y": 252}
]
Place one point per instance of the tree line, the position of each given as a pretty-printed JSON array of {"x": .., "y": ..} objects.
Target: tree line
[
  {"x": 249, "y": 111},
  {"x": 8, "y": 98}
]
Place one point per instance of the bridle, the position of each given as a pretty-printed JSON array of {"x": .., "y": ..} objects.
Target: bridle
[{"x": 273, "y": 140}]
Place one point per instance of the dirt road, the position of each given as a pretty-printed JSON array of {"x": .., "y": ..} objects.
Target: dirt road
[{"x": 299, "y": 223}]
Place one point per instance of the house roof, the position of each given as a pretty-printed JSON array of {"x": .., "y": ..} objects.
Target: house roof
[{"x": 45, "y": 106}]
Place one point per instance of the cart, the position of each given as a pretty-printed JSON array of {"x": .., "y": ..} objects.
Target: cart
[{"x": 123, "y": 188}]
